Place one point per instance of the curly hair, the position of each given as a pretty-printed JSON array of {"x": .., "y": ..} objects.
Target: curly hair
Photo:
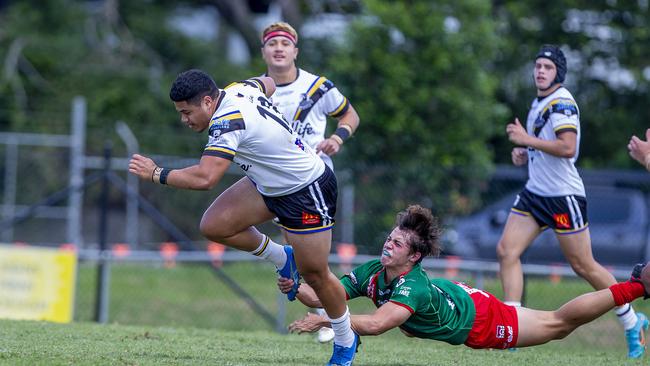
[
  {"x": 191, "y": 86},
  {"x": 424, "y": 230}
]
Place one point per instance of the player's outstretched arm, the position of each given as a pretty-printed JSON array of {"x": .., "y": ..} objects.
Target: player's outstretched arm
[
  {"x": 388, "y": 316},
  {"x": 203, "y": 176},
  {"x": 306, "y": 295}
]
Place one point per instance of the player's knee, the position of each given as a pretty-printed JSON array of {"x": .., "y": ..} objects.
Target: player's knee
[
  {"x": 582, "y": 267},
  {"x": 560, "y": 328},
  {"x": 214, "y": 232},
  {"x": 503, "y": 253},
  {"x": 315, "y": 279},
  {"x": 562, "y": 331}
]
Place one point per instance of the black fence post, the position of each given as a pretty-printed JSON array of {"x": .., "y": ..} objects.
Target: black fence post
[{"x": 103, "y": 270}]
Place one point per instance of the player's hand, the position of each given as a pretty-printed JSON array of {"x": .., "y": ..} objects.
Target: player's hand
[
  {"x": 309, "y": 324},
  {"x": 142, "y": 166},
  {"x": 284, "y": 284},
  {"x": 517, "y": 133},
  {"x": 519, "y": 156},
  {"x": 640, "y": 150},
  {"x": 329, "y": 146}
]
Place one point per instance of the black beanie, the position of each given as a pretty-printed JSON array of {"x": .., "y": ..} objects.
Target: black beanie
[{"x": 554, "y": 53}]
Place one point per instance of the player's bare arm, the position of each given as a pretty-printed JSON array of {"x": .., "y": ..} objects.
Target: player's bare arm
[
  {"x": 640, "y": 150},
  {"x": 348, "y": 122},
  {"x": 564, "y": 146},
  {"x": 268, "y": 83},
  {"x": 203, "y": 176},
  {"x": 306, "y": 294},
  {"x": 386, "y": 317}
]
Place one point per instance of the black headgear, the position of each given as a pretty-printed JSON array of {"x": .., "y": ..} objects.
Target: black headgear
[{"x": 554, "y": 53}]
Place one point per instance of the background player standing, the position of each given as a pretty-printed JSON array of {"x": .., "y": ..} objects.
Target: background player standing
[
  {"x": 306, "y": 100},
  {"x": 554, "y": 195}
]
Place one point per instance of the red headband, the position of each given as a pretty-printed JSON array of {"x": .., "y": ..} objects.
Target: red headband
[{"x": 279, "y": 33}]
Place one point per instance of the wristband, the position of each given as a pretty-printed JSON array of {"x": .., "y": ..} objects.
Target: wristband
[
  {"x": 647, "y": 162},
  {"x": 342, "y": 133},
  {"x": 163, "y": 175},
  {"x": 155, "y": 175}
]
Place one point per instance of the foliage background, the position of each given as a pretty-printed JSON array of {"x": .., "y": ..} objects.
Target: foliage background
[{"x": 435, "y": 82}]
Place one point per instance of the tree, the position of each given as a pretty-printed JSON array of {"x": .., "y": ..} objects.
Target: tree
[
  {"x": 420, "y": 76},
  {"x": 605, "y": 44}
]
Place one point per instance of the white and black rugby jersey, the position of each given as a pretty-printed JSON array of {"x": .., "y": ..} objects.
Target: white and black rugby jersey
[
  {"x": 306, "y": 102},
  {"x": 550, "y": 175},
  {"x": 247, "y": 129}
]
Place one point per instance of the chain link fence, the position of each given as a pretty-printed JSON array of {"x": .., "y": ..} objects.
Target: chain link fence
[{"x": 182, "y": 293}]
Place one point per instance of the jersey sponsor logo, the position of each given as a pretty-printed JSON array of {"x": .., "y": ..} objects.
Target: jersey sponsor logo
[
  {"x": 405, "y": 291},
  {"x": 310, "y": 219},
  {"x": 280, "y": 93},
  {"x": 244, "y": 167},
  {"x": 501, "y": 332},
  {"x": 562, "y": 221},
  {"x": 353, "y": 278},
  {"x": 303, "y": 129},
  {"x": 400, "y": 282},
  {"x": 220, "y": 126}
]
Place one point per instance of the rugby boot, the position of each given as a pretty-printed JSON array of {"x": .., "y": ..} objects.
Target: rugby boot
[{"x": 290, "y": 271}]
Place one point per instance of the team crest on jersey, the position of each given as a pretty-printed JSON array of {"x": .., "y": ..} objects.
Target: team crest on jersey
[{"x": 305, "y": 102}]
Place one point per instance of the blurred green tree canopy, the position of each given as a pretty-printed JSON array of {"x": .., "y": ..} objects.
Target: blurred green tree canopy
[{"x": 435, "y": 82}]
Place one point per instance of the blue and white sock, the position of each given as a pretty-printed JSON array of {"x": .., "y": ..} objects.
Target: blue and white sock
[
  {"x": 626, "y": 316},
  {"x": 272, "y": 251}
]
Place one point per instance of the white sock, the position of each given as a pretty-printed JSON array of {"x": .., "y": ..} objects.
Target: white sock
[
  {"x": 343, "y": 335},
  {"x": 513, "y": 303},
  {"x": 321, "y": 312},
  {"x": 271, "y": 251},
  {"x": 626, "y": 316}
]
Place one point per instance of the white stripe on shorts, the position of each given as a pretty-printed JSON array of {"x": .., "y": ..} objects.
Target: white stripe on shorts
[
  {"x": 319, "y": 203},
  {"x": 576, "y": 214}
]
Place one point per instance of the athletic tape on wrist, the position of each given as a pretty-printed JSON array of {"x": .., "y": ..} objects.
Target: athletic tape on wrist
[
  {"x": 163, "y": 175},
  {"x": 155, "y": 175}
]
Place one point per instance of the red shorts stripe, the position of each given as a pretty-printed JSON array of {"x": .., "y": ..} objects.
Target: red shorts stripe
[{"x": 496, "y": 324}]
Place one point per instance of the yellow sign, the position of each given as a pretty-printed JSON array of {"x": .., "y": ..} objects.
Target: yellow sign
[{"x": 37, "y": 283}]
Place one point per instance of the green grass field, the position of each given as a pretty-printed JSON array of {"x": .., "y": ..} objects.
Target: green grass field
[
  {"x": 184, "y": 315},
  {"x": 37, "y": 343}
]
